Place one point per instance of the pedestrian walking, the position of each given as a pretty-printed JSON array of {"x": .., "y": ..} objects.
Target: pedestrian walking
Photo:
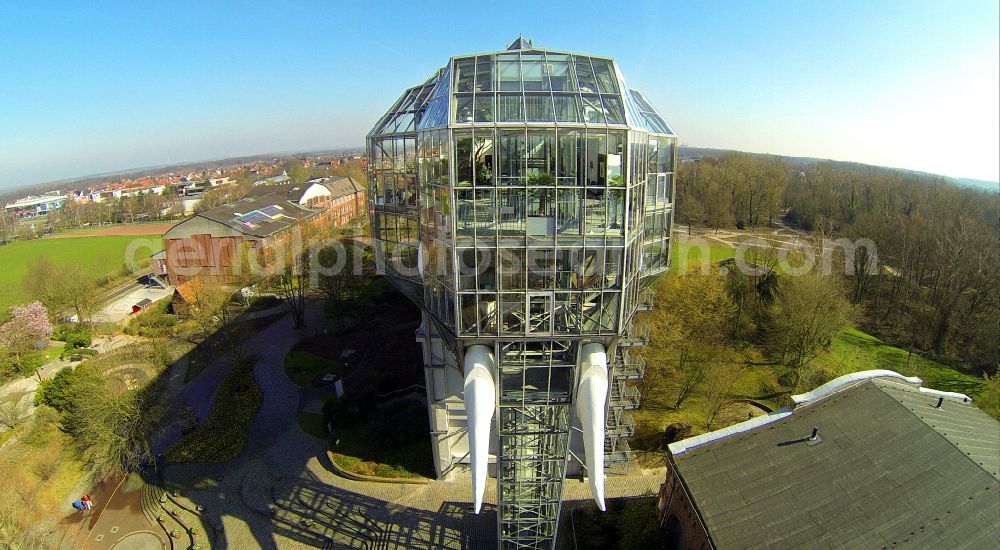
[
  {"x": 78, "y": 504},
  {"x": 87, "y": 502}
]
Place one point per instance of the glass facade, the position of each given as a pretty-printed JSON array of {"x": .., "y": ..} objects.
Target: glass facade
[{"x": 523, "y": 199}]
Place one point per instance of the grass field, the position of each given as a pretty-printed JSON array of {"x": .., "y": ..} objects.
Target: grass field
[
  {"x": 96, "y": 256},
  {"x": 683, "y": 255},
  {"x": 853, "y": 350}
]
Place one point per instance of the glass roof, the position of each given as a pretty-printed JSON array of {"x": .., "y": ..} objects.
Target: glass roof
[
  {"x": 527, "y": 85},
  {"x": 408, "y": 109}
]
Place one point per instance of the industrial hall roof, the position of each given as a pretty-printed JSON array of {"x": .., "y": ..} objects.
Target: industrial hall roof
[
  {"x": 338, "y": 186},
  {"x": 891, "y": 464},
  {"x": 261, "y": 216}
]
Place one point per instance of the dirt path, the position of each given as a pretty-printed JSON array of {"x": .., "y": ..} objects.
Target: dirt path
[{"x": 130, "y": 229}]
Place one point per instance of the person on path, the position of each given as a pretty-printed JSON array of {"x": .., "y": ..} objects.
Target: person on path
[
  {"x": 87, "y": 502},
  {"x": 79, "y": 505}
]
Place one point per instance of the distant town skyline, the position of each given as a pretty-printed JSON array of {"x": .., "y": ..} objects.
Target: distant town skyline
[{"x": 913, "y": 85}]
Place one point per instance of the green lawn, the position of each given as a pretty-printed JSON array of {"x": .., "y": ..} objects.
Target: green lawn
[
  {"x": 303, "y": 367},
  {"x": 355, "y": 452},
  {"x": 853, "y": 350},
  {"x": 692, "y": 255},
  {"x": 96, "y": 256}
]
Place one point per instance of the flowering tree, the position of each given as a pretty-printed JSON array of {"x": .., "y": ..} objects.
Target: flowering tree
[{"x": 28, "y": 325}]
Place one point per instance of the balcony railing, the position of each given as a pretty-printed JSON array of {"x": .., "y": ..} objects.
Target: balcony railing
[
  {"x": 620, "y": 454},
  {"x": 624, "y": 396},
  {"x": 645, "y": 300},
  {"x": 637, "y": 334},
  {"x": 627, "y": 367},
  {"x": 622, "y": 425}
]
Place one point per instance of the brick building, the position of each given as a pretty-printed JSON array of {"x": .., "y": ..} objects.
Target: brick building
[{"x": 213, "y": 243}]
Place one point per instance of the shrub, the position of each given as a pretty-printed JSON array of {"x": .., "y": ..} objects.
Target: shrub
[
  {"x": 54, "y": 392},
  {"x": 74, "y": 336},
  {"x": 224, "y": 433}
]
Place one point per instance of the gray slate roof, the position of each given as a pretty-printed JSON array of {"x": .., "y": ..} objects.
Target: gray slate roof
[
  {"x": 228, "y": 214},
  {"x": 339, "y": 187},
  {"x": 342, "y": 187},
  {"x": 891, "y": 470}
]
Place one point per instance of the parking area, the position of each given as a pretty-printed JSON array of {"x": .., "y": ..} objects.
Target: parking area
[{"x": 121, "y": 307}]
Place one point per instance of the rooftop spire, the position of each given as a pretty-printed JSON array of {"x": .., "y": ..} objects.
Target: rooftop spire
[{"x": 521, "y": 43}]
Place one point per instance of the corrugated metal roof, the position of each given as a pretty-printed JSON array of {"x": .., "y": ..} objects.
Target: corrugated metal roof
[{"x": 880, "y": 477}]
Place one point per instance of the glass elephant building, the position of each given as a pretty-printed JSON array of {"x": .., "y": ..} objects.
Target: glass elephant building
[{"x": 523, "y": 199}]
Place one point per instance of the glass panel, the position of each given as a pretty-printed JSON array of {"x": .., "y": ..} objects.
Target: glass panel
[
  {"x": 485, "y": 212},
  {"x": 488, "y": 313},
  {"x": 484, "y": 108},
  {"x": 612, "y": 267},
  {"x": 596, "y": 158},
  {"x": 541, "y": 212},
  {"x": 483, "y": 157},
  {"x": 609, "y": 311},
  {"x": 463, "y": 158},
  {"x": 508, "y": 73},
  {"x": 593, "y": 112},
  {"x": 614, "y": 170},
  {"x": 605, "y": 76},
  {"x": 541, "y": 157},
  {"x": 595, "y": 211},
  {"x": 464, "y": 74},
  {"x": 567, "y": 108},
  {"x": 558, "y": 70},
  {"x": 486, "y": 270},
  {"x": 511, "y": 211},
  {"x": 585, "y": 75},
  {"x": 484, "y": 73},
  {"x": 569, "y": 212},
  {"x": 469, "y": 313},
  {"x": 541, "y": 265},
  {"x": 465, "y": 215},
  {"x": 538, "y": 107},
  {"x": 565, "y": 312},
  {"x": 569, "y": 157},
  {"x": 511, "y": 108},
  {"x": 539, "y": 320},
  {"x": 466, "y": 269},
  {"x": 616, "y": 211},
  {"x": 613, "y": 109},
  {"x": 533, "y": 73},
  {"x": 511, "y": 166},
  {"x": 512, "y": 313},
  {"x": 463, "y": 108}
]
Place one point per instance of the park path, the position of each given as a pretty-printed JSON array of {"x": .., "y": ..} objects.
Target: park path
[
  {"x": 283, "y": 467},
  {"x": 22, "y": 391}
]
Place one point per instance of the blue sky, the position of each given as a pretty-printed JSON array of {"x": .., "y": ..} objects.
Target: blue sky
[{"x": 108, "y": 86}]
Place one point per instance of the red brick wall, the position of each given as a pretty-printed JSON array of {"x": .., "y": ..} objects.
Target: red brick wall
[
  {"x": 201, "y": 255},
  {"x": 673, "y": 502}
]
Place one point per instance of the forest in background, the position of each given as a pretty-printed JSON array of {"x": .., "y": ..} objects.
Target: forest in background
[{"x": 932, "y": 286}]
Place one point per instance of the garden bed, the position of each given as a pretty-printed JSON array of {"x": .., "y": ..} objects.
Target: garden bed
[
  {"x": 224, "y": 434},
  {"x": 307, "y": 369}
]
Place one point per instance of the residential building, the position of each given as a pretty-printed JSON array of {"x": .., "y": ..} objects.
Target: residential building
[
  {"x": 33, "y": 206},
  {"x": 523, "y": 199},
  {"x": 280, "y": 179},
  {"x": 868, "y": 460}
]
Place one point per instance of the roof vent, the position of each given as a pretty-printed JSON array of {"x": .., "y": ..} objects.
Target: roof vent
[
  {"x": 521, "y": 43},
  {"x": 814, "y": 438}
]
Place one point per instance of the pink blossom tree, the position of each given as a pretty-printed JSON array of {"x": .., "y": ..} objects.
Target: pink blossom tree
[{"x": 28, "y": 325}]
